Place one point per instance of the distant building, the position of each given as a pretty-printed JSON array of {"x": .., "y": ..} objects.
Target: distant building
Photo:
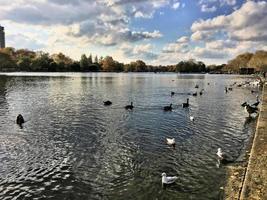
[{"x": 2, "y": 37}]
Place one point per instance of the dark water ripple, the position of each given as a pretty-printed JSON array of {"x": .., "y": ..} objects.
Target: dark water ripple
[{"x": 72, "y": 147}]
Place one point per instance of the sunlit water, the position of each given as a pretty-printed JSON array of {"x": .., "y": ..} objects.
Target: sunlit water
[{"x": 72, "y": 147}]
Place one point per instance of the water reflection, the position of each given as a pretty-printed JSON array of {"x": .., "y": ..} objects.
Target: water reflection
[{"x": 73, "y": 147}]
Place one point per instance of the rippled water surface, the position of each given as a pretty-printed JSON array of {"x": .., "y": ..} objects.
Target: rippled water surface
[{"x": 72, "y": 147}]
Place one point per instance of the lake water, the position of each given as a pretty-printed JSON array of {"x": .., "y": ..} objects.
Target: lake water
[{"x": 72, "y": 147}]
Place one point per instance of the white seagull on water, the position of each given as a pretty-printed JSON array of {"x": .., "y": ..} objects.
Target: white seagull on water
[
  {"x": 170, "y": 141},
  {"x": 192, "y": 118},
  {"x": 166, "y": 180}
]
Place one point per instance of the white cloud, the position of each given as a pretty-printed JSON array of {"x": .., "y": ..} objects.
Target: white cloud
[
  {"x": 205, "y": 8},
  {"x": 180, "y": 46},
  {"x": 206, "y": 53},
  {"x": 228, "y": 2},
  {"x": 141, "y": 51},
  {"x": 183, "y": 39},
  {"x": 226, "y": 36},
  {"x": 104, "y": 22},
  {"x": 203, "y": 35},
  {"x": 21, "y": 41},
  {"x": 176, "y": 5},
  {"x": 246, "y": 24}
]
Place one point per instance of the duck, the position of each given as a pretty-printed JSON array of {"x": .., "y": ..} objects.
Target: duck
[
  {"x": 223, "y": 158},
  {"x": 251, "y": 110},
  {"x": 129, "y": 106},
  {"x": 20, "y": 120},
  {"x": 256, "y": 104},
  {"x": 168, "y": 108},
  {"x": 186, "y": 105},
  {"x": 252, "y": 91},
  {"x": 172, "y": 93},
  {"x": 167, "y": 180},
  {"x": 194, "y": 94},
  {"x": 192, "y": 118},
  {"x": 107, "y": 103},
  {"x": 170, "y": 141},
  {"x": 244, "y": 104}
]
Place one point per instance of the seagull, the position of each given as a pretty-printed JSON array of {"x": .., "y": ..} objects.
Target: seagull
[
  {"x": 223, "y": 158},
  {"x": 170, "y": 141},
  {"x": 192, "y": 118},
  {"x": 168, "y": 108},
  {"x": 107, "y": 103},
  {"x": 167, "y": 180},
  {"x": 129, "y": 106}
]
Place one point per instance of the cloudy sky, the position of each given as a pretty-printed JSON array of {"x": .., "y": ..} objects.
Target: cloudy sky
[{"x": 156, "y": 31}]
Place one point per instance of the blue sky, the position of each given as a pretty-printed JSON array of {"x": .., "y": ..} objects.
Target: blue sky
[{"x": 156, "y": 31}]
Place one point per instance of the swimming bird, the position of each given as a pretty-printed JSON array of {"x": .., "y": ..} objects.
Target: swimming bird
[
  {"x": 129, "y": 106},
  {"x": 20, "y": 119},
  {"x": 167, "y": 180},
  {"x": 172, "y": 93},
  {"x": 168, "y": 108},
  {"x": 251, "y": 109},
  {"x": 225, "y": 89},
  {"x": 230, "y": 89},
  {"x": 252, "y": 91},
  {"x": 186, "y": 105},
  {"x": 223, "y": 157},
  {"x": 201, "y": 92},
  {"x": 194, "y": 94},
  {"x": 192, "y": 118},
  {"x": 170, "y": 141},
  {"x": 196, "y": 86},
  {"x": 244, "y": 104},
  {"x": 107, "y": 103},
  {"x": 256, "y": 104}
]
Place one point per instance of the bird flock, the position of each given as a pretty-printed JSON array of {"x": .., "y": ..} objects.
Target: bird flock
[{"x": 222, "y": 157}]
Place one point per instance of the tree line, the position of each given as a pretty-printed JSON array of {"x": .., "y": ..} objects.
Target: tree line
[
  {"x": 27, "y": 60},
  {"x": 31, "y": 61},
  {"x": 257, "y": 60}
]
